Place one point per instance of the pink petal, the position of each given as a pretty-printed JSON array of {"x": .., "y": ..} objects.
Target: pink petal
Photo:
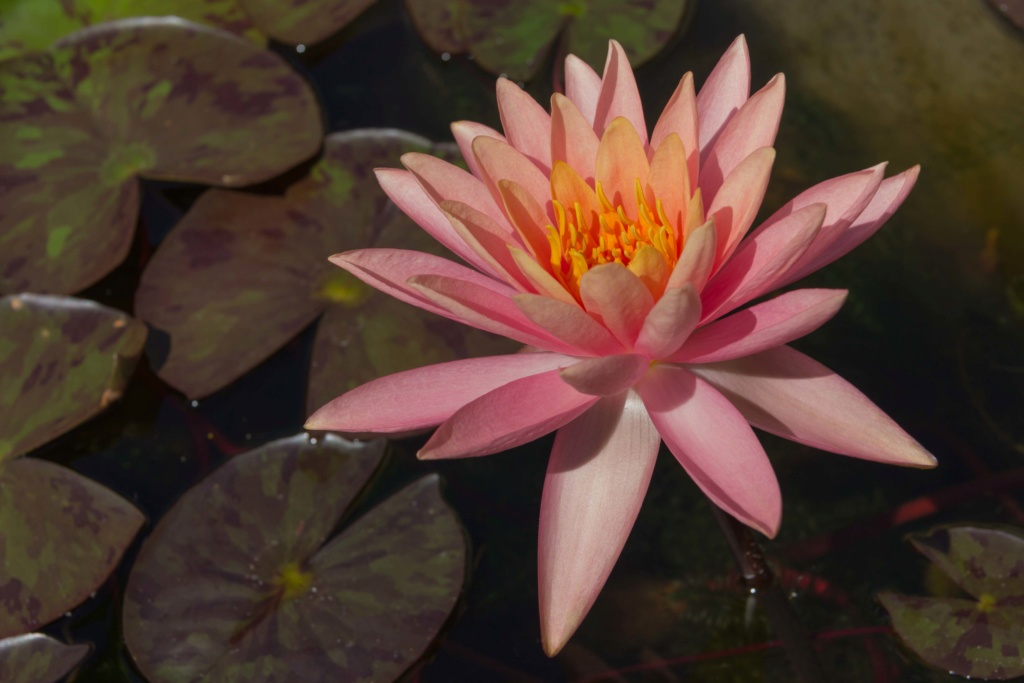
[
  {"x": 500, "y": 161},
  {"x": 484, "y": 309},
  {"x": 784, "y": 392},
  {"x": 887, "y": 199},
  {"x": 407, "y": 194},
  {"x": 426, "y": 397},
  {"x": 527, "y": 126},
  {"x": 540, "y": 280},
  {"x": 698, "y": 257},
  {"x": 669, "y": 323},
  {"x": 605, "y": 376},
  {"x": 845, "y": 197},
  {"x": 442, "y": 181},
  {"x": 680, "y": 117},
  {"x": 715, "y": 445},
  {"x": 621, "y": 162},
  {"x": 572, "y": 137},
  {"x": 528, "y": 219},
  {"x": 668, "y": 181},
  {"x": 465, "y": 132},
  {"x": 513, "y": 414},
  {"x": 570, "y": 324},
  {"x": 736, "y": 204},
  {"x": 598, "y": 475},
  {"x": 389, "y": 270},
  {"x": 582, "y": 86},
  {"x": 723, "y": 94},
  {"x": 764, "y": 326},
  {"x": 761, "y": 261},
  {"x": 617, "y": 298},
  {"x": 752, "y": 127},
  {"x": 488, "y": 240},
  {"x": 619, "y": 94}
]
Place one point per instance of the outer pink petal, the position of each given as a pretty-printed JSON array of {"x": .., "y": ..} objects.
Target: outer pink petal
[
  {"x": 613, "y": 294},
  {"x": 884, "y": 203},
  {"x": 570, "y": 324},
  {"x": 484, "y": 309},
  {"x": 680, "y": 117},
  {"x": 513, "y": 414},
  {"x": 721, "y": 96},
  {"x": 582, "y": 86},
  {"x": 500, "y": 161},
  {"x": 738, "y": 200},
  {"x": 754, "y": 126},
  {"x": 669, "y": 323},
  {"x": 607, "y": 375},
  {"x": 845, "y": 197},
  {"x": 389, "y": 270},
  {"x": 619, "y": 94},
  {"x": 442, "y": 181},
  {"x": 766, "y": 325},
  {"x": 787, "y": 393},
  {"x": 714, "y": 444},
  {"x": 464, "y": 133},
  {"x": 573, "y": 139},
  {"x": 426, "y": 397},
  {"x": 761, "y": 261},
  {"x": 527, "y": 126},
  {"x": 406, "y": 192},
  {"x": 597, "y": 478}
]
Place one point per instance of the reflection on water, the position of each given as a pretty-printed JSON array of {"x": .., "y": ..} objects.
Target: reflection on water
[{"x": 932, "y": 331}]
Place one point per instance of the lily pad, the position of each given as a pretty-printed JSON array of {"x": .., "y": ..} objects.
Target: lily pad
[
  {"x": 107, "y": 104},
  {"x": 303, "y": 21},
  {"x": 61, "y": 535},
  {"x": 233, "y": 585},
  {"x": 62, "y": 360},
  {"x": 266, "y": 258},
  {"x": 35, "y": 658},
  {"x": 512, "y": 37},
  {"x": 980, "y": 638}
]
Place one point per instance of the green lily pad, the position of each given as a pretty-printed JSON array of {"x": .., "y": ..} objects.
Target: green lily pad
[
  {"x": 513, "y": 37},
  {"x": 109, "y": 103},
  {"x": 266, "y": 258},
  {"x": 303, "y": 21},
  {"x": 234, "y": 585},
  {"x": 980, "y": 638},
  {"x": 33, "y": 25},
  {"x": 62, "y": 360},
  {"x": 35, "y": 658},
  {"x": 61, "y": 535}
]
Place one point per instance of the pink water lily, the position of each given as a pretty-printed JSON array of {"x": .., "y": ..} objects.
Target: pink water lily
[{"x": 619, "y": 259}]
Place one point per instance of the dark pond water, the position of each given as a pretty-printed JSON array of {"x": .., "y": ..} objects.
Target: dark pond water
[{"x": 932, "y": 331}]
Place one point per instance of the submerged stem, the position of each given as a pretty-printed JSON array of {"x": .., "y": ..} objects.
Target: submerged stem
[{"x": 759, "y": 577}]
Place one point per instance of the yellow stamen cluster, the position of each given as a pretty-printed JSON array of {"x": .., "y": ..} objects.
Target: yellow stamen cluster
[{"x": 579, "y": 242}]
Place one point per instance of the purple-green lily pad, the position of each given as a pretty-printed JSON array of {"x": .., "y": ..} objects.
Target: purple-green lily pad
[
  {"x": 154, "y": 97},
  {"x": 33, "y": 25},
  {"x": 61, "y": 535},
  {"x": 234, "y": 585},
  {"x": 303, "y": 21},
  {"x": 62, "y": 360},
  {"x": 980, "y": 638},
  {"x": 36, "y": 658},
  {"x": 513, "y": 37},
  {"x": 266, "y": 258}
]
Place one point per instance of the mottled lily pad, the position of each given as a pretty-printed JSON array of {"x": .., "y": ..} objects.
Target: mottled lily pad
[
  {"x": 512, "y": 37},
  {"x": 303, "y": 21},
  {"x": 35, "y": 658},
  {"x": 980, "y": 638},
  {"x": 106, "y": 104},
  {"x": 60, "y": 537},
  {"x": 266, "y": 258},
  {"x": 234, "y": 585},
  {"x": 62, "y": 360}
]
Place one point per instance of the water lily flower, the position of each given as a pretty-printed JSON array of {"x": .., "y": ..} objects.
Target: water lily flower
[{"x": 620, "y": 258}]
